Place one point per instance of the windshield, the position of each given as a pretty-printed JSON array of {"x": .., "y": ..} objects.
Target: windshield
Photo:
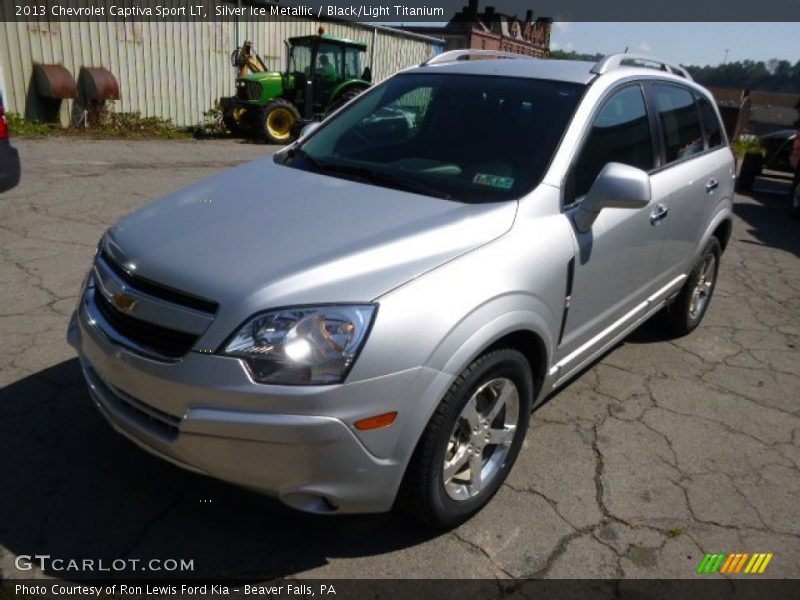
[{"x": 462, "y": 137}]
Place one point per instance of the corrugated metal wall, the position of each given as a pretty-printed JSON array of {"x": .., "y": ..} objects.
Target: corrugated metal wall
[{"x": 175, "y": 70}]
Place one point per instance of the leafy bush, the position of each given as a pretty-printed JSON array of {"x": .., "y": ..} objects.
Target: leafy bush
[
  {"x": 745, "y": 144},
  {"x": 19, "y": 126},
  {"x": 212, "y": 125},
  {"x": 135, "y": 125},
  {"x": 103, "y": 123}
]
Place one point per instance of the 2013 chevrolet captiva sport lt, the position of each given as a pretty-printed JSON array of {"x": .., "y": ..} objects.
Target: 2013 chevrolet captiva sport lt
[{"x": 369, "y": 316}]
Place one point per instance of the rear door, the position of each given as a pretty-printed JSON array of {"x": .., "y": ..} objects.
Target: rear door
[{"x": 694, "y": 172}]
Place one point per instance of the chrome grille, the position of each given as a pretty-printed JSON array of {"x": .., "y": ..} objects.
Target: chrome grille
[
  {"x": 161, "y": 340},
  {"x": 146, "y": 317},
  {"x": 157, "y": 290}
]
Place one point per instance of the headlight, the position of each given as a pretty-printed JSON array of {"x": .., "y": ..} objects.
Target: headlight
[{"x": 308, "y": 345}]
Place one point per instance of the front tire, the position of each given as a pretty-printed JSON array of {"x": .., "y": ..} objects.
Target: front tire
[
  {"x": 470, "y": 442},
  {"x": 689, "y": 308},
  {"x": 278, "y": 122},
  {"x": 234, "y": 119}
]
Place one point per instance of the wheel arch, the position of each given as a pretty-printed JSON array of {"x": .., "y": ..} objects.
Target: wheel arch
[
  {"x": 522, "y": 330},
  {"x": 346, "y": 86},
  {"x": 723, "y": 232},
  {"x": 720, "y": 226},
  {"x": 531, "y": 346}
]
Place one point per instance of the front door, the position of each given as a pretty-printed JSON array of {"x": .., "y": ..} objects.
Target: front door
[{"x": 616, "y": 260}]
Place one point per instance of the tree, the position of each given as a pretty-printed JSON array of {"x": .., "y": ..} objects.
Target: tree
[{"x": 771, "y": 76}]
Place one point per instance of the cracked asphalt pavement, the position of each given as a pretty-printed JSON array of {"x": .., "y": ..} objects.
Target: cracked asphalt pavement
[{"x": 662, "y": 451}]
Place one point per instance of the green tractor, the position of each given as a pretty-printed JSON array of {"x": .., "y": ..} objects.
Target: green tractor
[{"x": 322, "y": 74}]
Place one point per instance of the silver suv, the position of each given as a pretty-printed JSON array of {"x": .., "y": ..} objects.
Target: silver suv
[{"x": 369, "y": 316}]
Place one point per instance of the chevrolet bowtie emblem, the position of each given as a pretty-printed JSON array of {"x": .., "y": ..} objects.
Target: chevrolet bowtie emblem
[{"x": 123, "y": 301}]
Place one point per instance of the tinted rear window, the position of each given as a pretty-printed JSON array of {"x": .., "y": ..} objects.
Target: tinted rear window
[
  {"x": 711, "y": 124},
  {"x": 680, "y": 121}
]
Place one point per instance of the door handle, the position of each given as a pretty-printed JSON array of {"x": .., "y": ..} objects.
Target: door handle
[
  {"x": 658, "y": 214},
  {"x": 711, "y": 185}
]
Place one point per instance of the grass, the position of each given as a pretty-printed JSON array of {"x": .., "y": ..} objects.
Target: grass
[
  {"x": 122, "y": 125},
  {"x": 676, "y": 531},
  {"x": 19, "y": 126}
]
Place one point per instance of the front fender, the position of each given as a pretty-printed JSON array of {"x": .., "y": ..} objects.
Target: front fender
[{"x": 486, "y": 325}]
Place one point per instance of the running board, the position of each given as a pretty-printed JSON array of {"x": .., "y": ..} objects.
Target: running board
[{"x": 632, "y": 318}]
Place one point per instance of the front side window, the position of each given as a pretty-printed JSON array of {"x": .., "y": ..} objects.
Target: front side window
[
  {"x": 352, "y": 63},
  {"x": 680, "y": 121},
  {"x": 620, "y": 133},
  {"x": 301, "y": 59},
  {"x": 329, "y": 62},
  {"x": 463, "y": 137},
  {"x": 711, "y": 124}
]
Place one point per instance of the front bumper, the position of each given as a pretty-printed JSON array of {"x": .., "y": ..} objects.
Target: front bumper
[{"x": 295, "y": 443}]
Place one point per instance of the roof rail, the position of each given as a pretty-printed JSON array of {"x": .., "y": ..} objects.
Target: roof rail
[
  {"x": 468, "y": 54},
  {"x": 614, "y": 61}
]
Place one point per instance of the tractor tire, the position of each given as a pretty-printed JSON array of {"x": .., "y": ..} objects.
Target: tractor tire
[
  {"x": 277, "y": 122},
  {"x": 343, "y": 99},
  {"x": 229, "y": 121}
]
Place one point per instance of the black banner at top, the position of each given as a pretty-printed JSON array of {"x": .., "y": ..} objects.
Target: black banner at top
[{"x": 398, "y": 11}]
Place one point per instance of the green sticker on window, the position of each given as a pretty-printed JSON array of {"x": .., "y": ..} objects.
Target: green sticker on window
[{"x": 497, "y": 181}]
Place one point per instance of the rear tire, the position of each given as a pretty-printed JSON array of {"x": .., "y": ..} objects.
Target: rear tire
[
  {"x": 277, "y": 122},
  {"x": 470, "y": 442},
  {"x": 343, "y": 99},
  {"x": 689, "y": 308}
]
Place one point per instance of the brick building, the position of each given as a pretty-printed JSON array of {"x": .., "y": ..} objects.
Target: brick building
[
  {"x": 770, "y": 111},
  {"x": 490, "y": 30}
]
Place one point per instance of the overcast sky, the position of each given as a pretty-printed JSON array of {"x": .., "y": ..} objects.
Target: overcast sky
[{"x": 685, "y": 43}]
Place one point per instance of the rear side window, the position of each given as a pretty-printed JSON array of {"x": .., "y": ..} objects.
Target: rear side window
[
  {"x": 620, "y": 133},
  {"x": 680, "y": 121},
  {"x": 711, "y": 125}
]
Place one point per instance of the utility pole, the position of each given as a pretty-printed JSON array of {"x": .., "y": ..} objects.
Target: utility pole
[{"x": 725, "y": 60}]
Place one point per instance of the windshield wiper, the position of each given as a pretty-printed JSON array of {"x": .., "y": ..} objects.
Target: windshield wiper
[{"x": 391, "y": 180}]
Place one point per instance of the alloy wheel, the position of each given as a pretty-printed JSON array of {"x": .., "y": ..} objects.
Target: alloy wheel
[
  {"x": 481, "y": 439},
  {"x": 702, "y": 291}
]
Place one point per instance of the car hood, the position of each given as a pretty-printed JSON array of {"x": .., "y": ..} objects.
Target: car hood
[{"x": 264, "y": 235}]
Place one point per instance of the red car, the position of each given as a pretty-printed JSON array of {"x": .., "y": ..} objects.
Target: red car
[{"x": 9, "y": 157}]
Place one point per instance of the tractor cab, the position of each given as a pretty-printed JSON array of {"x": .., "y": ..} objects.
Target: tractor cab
[{"x": 327, "y": 65}]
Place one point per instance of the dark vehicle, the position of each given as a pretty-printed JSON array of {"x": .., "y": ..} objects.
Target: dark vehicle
[
  {"x": 777, "y": 148},
  {"x": 9, "y": 158}
]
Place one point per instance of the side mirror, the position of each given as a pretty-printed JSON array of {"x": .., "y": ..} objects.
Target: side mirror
[
  {"x": 309, "y": 129},
  {"x": 617, "y": 186}
]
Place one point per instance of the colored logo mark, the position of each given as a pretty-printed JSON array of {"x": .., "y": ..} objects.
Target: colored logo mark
[{"x": 738, "y": 562}]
